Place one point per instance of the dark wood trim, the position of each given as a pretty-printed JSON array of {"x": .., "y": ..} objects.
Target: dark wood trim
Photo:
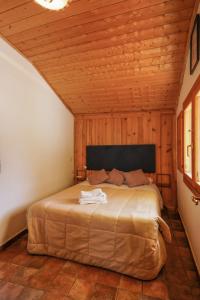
[
  {"x": 191, "y": 182},
  {"x": 192, "y": 92},
  {"x": 12, "y": 240},
  {"x": 196, "y": 24},
  {"x": 193, "y": 186},
  {"x": 187, "y": 49}
]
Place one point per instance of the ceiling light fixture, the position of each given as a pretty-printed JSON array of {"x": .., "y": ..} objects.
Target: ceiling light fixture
[{"x": 53, "y": 4}]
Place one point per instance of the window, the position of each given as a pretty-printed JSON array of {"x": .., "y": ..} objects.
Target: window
[
  {"x": 180, "y": 142},
  {"x": 191, "y": 136},
  {"x": 197, "y": 138},
  {"x": 188, "y": 140}
]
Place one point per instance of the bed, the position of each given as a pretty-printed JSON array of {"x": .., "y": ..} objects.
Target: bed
[{"x": 125, "y": 235}]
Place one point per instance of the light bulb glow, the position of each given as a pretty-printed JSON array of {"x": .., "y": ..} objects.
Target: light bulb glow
[{"x": 53, "y": 4}]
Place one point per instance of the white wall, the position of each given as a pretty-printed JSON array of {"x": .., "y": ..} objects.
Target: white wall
[
  {"x": 36, "y": 141},
  {"x": 190, "y": 213}
]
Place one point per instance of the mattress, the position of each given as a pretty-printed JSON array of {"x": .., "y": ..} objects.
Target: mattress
[{"x": 125, "y": 235}]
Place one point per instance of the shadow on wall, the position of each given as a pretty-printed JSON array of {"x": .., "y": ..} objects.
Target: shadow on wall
[{"x": 13, "y": 223}]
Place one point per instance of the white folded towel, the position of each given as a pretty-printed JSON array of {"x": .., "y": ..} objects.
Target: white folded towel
[
  {"x": 96, "y": 196},
  {"x": 93, "y": 193}
]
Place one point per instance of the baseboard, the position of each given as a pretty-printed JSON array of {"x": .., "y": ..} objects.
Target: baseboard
[
  {"x": 194, "y": 257},
  {"x": 13, "y": 239}
]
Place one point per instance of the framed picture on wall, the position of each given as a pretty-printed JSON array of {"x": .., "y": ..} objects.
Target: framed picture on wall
[{"x": 194, "y": 45}]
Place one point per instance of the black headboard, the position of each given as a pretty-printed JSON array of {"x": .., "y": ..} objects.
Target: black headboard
[{"x": 121, "y": 157}]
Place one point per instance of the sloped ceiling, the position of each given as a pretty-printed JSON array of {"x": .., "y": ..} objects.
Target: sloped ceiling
[{"x": 104, "y": 55}]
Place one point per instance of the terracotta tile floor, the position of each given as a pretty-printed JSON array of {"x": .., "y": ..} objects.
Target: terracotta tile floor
[{"x": 27, "y": 277}]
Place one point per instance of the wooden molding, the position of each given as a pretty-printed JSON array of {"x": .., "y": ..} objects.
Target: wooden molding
[
  {"x": 187, "y": 49},
  {"x": 12, "y": 240}
]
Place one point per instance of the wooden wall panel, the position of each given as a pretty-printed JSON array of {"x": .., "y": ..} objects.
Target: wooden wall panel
[
  {"x": 166, "y": 155},
  {"x": 155, "y": 127}
]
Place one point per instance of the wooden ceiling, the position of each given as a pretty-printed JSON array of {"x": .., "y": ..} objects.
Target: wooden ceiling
[{"x": 104, "y": 55}]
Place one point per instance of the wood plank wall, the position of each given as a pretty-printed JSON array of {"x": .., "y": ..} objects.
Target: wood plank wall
[{"x": 132, "y": 128}]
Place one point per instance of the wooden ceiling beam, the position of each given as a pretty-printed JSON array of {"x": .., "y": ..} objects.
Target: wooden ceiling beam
[
  {"x": 117, "y": 115},
  {"x": 133, "y": 108}
]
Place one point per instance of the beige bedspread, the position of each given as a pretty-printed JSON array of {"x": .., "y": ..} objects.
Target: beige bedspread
[{"x": 123, "y": 235}]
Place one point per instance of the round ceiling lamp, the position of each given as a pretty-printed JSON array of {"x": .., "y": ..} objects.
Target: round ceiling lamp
[{"x": 53, "y": 4}]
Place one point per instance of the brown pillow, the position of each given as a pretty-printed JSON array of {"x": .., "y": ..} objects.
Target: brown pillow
[
  {"x": 135, "y": 178},
  {"x": 98, "y": 177},
  {"x": 115, "y": 177}
]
